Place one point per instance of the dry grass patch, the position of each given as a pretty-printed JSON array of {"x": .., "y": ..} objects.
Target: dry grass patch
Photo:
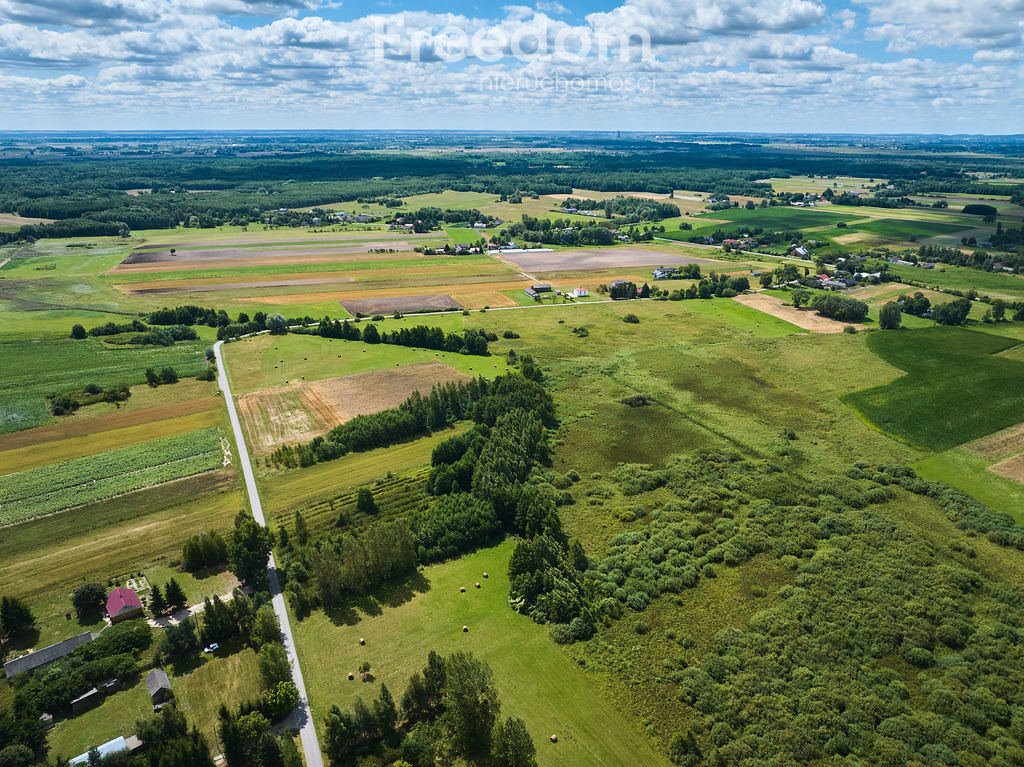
[
  {"x": 1011, "y": 468},
  {"x": 405, "y": 304},
  {"x": 299, "y": 412},
  {"x": 805, "y": 319},
  {"x": 999, "y": 445}
]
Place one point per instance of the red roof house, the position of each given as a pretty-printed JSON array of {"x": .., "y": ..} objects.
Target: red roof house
[{"x": 123, "y": 605}]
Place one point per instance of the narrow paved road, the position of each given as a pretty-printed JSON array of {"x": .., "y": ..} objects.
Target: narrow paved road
[{"x": 304, "y": 718}]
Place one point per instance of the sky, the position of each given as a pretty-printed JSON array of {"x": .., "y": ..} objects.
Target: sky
[{"x": 832, "y": 66}]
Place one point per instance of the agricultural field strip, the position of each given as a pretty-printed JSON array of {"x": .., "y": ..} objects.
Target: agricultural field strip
[
  {"x": 339, "y": 266},
  {"x": 80, "y": 481}
]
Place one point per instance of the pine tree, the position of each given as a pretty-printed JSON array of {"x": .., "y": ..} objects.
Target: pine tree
[
  {"x": 157, "y": 605},
  {"x": 174, "y": 595},
  {"x": 385, "y": 712}
]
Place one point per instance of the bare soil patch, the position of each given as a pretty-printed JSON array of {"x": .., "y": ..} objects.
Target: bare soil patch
[
  {"x": 595, "y": 259},
  {"x": 192, "y": 255},
  {"x": 805, "y": 319},
  {"x": 299, "y": 412},
  {"x": 406, "y": 304},
  {"x": 1011, "y": 468},
  {"x": 1003, "y": 443}
]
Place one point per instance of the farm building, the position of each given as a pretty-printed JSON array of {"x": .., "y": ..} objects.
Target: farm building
[
  {"x": 123, "y": 605},
  {"x": 49, "y": 654},
  {"x": 86, "y": 701},
  {"x": 116, "y": 746},
  {"x": 579, "y": 293},
  {"x": 542, "y": 288},
  {"x": 664, "y": 273},
  {"x": 159, "y": 687}
]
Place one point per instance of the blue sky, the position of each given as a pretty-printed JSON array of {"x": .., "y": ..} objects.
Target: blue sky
[{"x": 873, "y": 66}]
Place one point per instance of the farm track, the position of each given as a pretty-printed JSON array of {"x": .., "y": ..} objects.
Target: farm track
[{"x": 303, "y": 716}]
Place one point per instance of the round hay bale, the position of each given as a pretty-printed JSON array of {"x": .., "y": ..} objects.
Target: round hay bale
[
  {"x": 351, "y": 676},
  {"x": 485, "y": 575},
  {"x": 478, "y": 584},
  {"x": 465, "y": 629},
  {"x": 554, "y": 738},
  {"x": 462, "y": 589},
  {"x": 362, "y": 641}
]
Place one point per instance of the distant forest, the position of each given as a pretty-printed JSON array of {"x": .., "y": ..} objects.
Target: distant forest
[{"x": 206, "y": 180}]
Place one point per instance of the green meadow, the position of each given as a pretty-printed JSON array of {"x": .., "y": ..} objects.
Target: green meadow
[{"x": 955, "y": 389}]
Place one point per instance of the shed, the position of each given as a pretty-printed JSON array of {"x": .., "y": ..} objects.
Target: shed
[
  {"x": 86, "y": 701},
  {"x": 159, "y": 686},
  {"x": 123, "y": 605}
]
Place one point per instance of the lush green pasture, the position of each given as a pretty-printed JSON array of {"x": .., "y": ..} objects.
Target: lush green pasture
[
  {"x": 81, "y": 481},
  {"x": 535, "y": 678},
  {"x": 777, "y": 218},
  {"x": 290, "y": 489},
  {"x": 230, "y": 677},
  {"x": 35, "y": 369},
  {"x": 970, "y": 473},
  {"x": 995, "y": 284},
  {"x": 116, "y": 715},
  {"x": 902, "y": 230},
  {"x": 955, "y": 389}
]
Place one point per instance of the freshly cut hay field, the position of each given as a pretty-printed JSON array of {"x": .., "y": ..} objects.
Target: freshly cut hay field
[
  {"x": 1011, "y": 468},
  {"x": 535, "y": 679},
  {"x": 299, "y": 412},
  {"x": 372, "y": 392},
  {"x": 194, "y": 254},
  {"x": 802, "y": 318},
  {"x": 615, "y": 257},
  {"x": 956, "y": 389},
  {"x": 286, "y": 414},
  {"x": 401, "y": 304}
]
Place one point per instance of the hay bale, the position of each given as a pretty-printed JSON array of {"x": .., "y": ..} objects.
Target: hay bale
[
  {"x": 351, "y": 676},
  {"x": 462, "y": 589},
  {"x": 478, "y": 584},
  {"x": 362, "y": 641},
  {"x": 554, "y": 738},
  {"x": 465, "y": 629},
  {"x": 485, "y": 575}
]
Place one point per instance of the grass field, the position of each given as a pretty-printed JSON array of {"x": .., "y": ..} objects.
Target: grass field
[
  {"x": 42, "y": 560},
  {"x": 955, "y": 389},
  {"x": 35, "y": 369},
  {"x": 535, "y": 679},
  {"x": 116, "y": 715},
  {"x": 230, "y": 677},
  {"x": 268, "y": 361},
  {"x": 902, "y": 230},
  {"x": 996, "y": 285},
  {"x": 971, "y": 474}
]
